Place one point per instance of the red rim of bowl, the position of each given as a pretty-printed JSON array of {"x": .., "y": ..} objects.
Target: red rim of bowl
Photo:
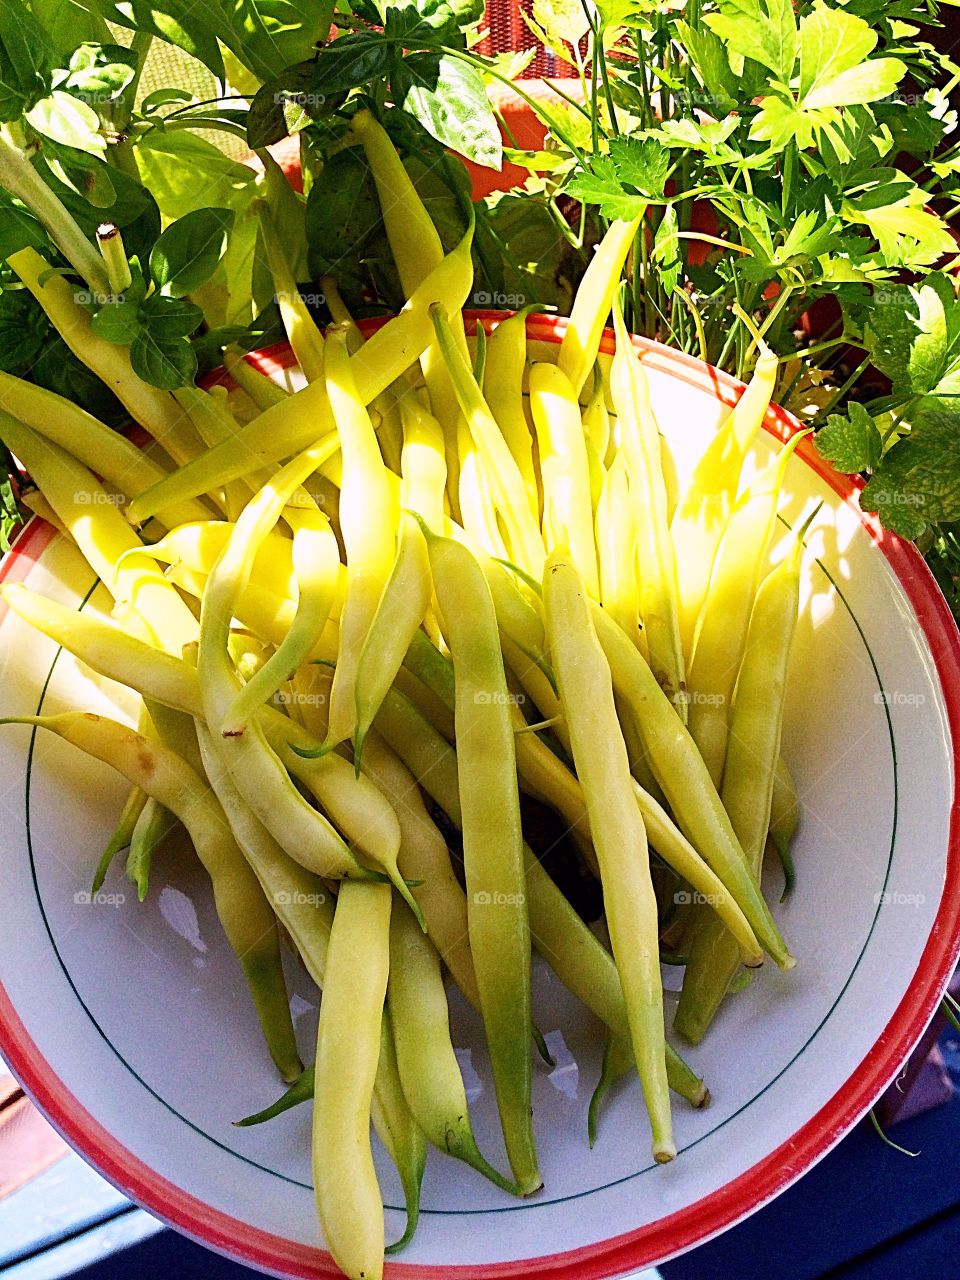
[{"x": 696, "y": 1223}]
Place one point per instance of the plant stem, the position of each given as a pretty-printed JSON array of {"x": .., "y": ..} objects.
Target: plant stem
[
  {"x": 140, "y": 45},
  {"x": 21, "y": 179},
  {"x": 835, "y": 400},
  {"x": 697, "y": 321},
  {"x": 110, "y": 243}
]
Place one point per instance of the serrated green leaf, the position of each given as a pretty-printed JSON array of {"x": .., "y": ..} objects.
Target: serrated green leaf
[
  {"x": 853, "y": 443},
  {"x": 918, "y": 480},
  {"x": 762, "y": 30},
  {"x": 867, "y": 83},
  {"x": 709, "y": 56},
  {"x": 908, "y": 234},
  {"x": 831, "y": 42},
  {"x": 666, "y": 250},
  {"x": 642, "y": 163},
  {"x": 602, "y": 187}
]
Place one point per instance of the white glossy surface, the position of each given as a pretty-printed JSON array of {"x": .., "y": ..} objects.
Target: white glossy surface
[{"x": 141, "y": 1008}]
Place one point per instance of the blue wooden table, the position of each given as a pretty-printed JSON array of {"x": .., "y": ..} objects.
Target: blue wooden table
[{"x": 864, "y": 1213}]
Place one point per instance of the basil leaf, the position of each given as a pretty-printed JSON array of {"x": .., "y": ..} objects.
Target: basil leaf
[
  {"x": 116, "y": 322},
  {"x": 192, "y": 27},
  {"x": 283, "y": 106},
  {"x": 99, "y": 72},
  {"x": 26, "y": 59},
  {"x": 69, "y": 121},
  {"x": 351, "y": 61},
  {"x": 450, "y": 101},
  {"x": 167, "y": 365},
  {"x": 189, "y": 251},
  {"x": 167, "y": 319}
]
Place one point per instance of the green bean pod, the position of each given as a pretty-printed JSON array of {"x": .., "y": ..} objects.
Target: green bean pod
[
  {"x": 402, "y": 607},
  {"x": 701, "y": 517},
  {"x": 655, "y": 552},
  {"x": 368, "y": 522},
  {"x": 247, "y": 918},
  {"x": 306, "y": 340},
  {"x": 503, "y": 375},
  {"x": 748, "y": 778},
  {"x": 492, "y": 842},
  {"x": 686, "y": 783},
  {"x": 256, "y": 768},
  {"x": 595, "y": 297},
  {"x": 105, "y": 451},
  {"x": 507, "y": 485},
  {"x": 619, "y": 837},
  {"x": 429, "y": 1070},
  {"x": 104, "y": 537},
  {"x": 153, "y": 826},
  {"x": 305, "y": 417},
  {"x": 316, "y": 561},
  {"x": 348, "y": 1049},
  {"x": 263, "y": 391},
  {"x": 784, "y": 820},
  {"x": 722, "y": 630},
  {"x": 133, "y": 806},
  {"x": 155, "y": 410},
  {"x": 617, "y": 552},
  {"x": 564, "y": 470}
]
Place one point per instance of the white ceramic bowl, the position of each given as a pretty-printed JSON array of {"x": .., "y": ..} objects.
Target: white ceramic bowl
[{"x": 130, "y": 1026}]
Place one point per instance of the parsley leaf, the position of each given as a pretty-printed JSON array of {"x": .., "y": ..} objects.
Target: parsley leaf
[{"x": 851, "y": 444}]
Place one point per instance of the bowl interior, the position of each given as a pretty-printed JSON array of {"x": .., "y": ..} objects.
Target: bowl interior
[{"x": 139, "y": 1011}]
